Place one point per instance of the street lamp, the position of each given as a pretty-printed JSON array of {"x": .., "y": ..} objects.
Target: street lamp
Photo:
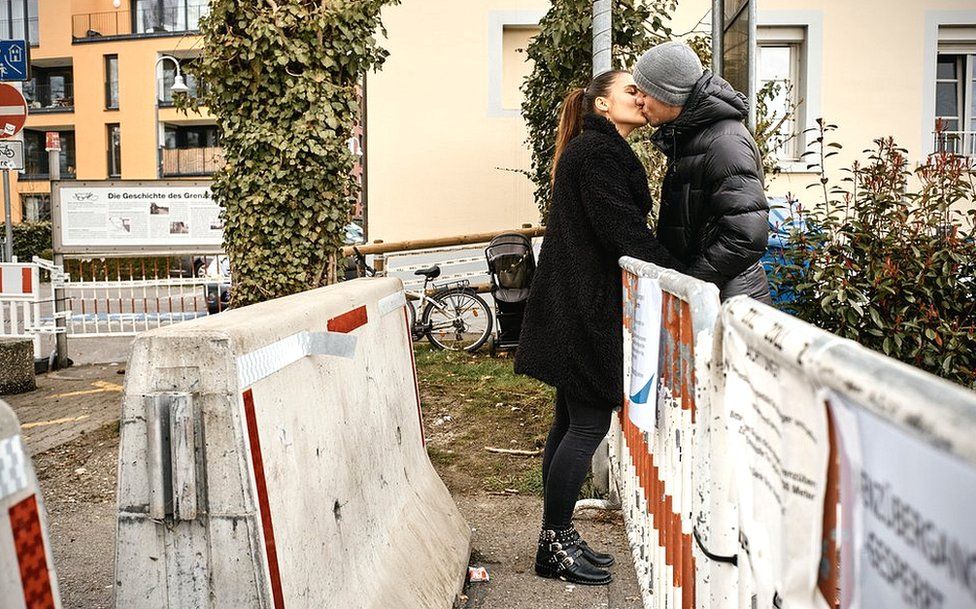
[{"x": 179, "y": 87}]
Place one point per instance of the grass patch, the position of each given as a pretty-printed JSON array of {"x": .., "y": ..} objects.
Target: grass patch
[{"x": 471, "y": 401}]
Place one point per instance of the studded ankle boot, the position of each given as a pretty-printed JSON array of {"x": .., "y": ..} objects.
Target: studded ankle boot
[
  {"x": 597, "y": 559},
  {"x": 560, "y": 556}
]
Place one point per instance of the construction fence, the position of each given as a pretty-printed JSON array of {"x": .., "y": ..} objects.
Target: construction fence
[{"x": 763, "y": 462}]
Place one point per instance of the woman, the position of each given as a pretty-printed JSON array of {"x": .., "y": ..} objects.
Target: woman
[{"x": 571, "y": 335}]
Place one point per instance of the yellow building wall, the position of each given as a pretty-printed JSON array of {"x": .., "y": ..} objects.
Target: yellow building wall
[
  {"x": 441, "y": 161},
  {"x": 90, "y": 118}
]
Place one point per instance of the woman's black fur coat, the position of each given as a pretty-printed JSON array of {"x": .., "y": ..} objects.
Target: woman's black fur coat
[{"x": 572, "y": 335}]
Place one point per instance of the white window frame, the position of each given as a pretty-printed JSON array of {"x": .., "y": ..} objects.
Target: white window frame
[
  {"x": 934, "y": 21},
  {"x": 809, "y": 85},
  {"x": 497, "y": 22},
  {"x": 960, "y": 44},
  {"x": 793, "y": 39}
]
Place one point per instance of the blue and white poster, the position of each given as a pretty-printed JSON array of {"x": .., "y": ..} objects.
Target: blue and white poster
[{"x": 645, "y": 348}]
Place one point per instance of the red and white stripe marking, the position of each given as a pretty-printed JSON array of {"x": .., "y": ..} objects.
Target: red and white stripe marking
[{"x": 17, "y": 280}]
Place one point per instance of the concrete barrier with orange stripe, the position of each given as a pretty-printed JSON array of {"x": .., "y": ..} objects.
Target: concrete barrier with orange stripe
[
  {"x": 273, "y": 457},
  {"x": 27, "y": 576}
]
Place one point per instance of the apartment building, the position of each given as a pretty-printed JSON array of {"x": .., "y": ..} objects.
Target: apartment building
[
  {"x": 102, "y": 77},
  {"x": 446, "y": 140}
]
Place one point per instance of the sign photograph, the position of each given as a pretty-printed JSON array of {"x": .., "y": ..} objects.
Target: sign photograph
[{"x": 133, "y": 215}]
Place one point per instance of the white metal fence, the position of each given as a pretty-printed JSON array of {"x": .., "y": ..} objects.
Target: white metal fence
[{"x": 769, "y": 442}]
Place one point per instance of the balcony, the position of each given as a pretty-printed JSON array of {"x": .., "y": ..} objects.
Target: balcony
[
  {"x": 45, "y": 98},
  {"x": 956, "y": 142},
  {"x": 150, "y": 22},
  {"x": 190, "y": 162}
]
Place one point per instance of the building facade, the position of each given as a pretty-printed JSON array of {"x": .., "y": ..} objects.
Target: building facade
[
  {"x": 98, "y": 79},
  {"x": 445, "y": 134}
]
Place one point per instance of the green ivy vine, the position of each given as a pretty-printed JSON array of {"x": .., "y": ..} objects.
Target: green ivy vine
[{"x": 281, "y": 78}]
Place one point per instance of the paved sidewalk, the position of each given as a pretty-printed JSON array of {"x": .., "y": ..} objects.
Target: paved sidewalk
[{"x": 67, "y": 404}]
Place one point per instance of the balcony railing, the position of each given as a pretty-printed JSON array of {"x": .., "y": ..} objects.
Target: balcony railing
[
  {"x": 956, "y": 142},
  {"x": 183, "y": 162},
  {"x": 49, "y": 98},
  {"x": 150, "y": 21}
]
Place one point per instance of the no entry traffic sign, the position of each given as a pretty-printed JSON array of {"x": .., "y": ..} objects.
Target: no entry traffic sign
[{"x": 13, "y": 111}]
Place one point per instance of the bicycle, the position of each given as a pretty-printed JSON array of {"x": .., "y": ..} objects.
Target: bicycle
[{"x": 454, "y": 318}]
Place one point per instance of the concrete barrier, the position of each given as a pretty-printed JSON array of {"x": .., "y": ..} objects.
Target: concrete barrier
[
  {"x": 273, "y": 456},
  {"x": 27, "y": 577}
]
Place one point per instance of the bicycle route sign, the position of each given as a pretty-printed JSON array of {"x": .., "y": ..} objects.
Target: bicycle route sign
[
  {"x": 14, "y": 60},
  {"x": 12, "y": 154},
  {"x": 13, "y": 111}
]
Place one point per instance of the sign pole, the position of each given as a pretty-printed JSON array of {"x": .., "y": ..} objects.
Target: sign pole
[
  {"x": 8, "y": 245},
  {"x": 53, "y": 146}
]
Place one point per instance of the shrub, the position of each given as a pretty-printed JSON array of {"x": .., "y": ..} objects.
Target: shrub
[
  {"x": 889, "y": 258},
  {"x": 32, "y": 239}
]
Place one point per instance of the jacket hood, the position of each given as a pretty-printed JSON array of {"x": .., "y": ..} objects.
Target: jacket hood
[{"x": 712, "y": 100}]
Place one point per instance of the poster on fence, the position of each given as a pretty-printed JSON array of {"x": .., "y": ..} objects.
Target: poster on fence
[
  {"x": 779, "y": 448},
  {"x": 644, "y": 324},
  {"x": 908, "y": 529}
]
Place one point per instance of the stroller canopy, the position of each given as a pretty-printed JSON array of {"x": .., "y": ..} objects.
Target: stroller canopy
[{"x": 511, "y": 264}]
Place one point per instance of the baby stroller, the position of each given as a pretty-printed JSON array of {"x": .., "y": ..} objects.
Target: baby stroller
[{"x": 511, "y": 265}]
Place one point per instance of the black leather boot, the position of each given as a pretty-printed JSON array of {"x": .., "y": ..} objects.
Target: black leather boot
[
  {"x": 597, "y": 559},
  {"x": 560, "y": 556}
]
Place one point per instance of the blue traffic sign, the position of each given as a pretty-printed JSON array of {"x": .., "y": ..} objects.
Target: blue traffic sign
[{"x": 14, "y": 62}]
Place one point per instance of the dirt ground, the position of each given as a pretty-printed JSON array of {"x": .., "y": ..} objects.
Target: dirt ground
[{"x": 470, "y": 402}]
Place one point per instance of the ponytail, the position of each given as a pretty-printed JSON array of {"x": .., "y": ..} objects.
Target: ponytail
[{"x": 570, "y": 125}]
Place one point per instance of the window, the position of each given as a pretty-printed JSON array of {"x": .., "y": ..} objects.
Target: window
[
  {"x": 51, "y": 89},
  {"x": 515, "y": 64},
  {"x": 112, "y": 82},
  {"x": 955, "y": 91},
  {"x": 156, "y": 16},
  {"x": 13, "y": 22},
  {"x": 781, "y": 79},
  {"x": 114, "y": 151},
  {"x": 35, "y": 157},
  {"x": 190, "y": 150},
  {"x": 35, "y": 207}
]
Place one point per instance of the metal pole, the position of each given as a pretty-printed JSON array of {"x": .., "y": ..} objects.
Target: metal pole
[
  {"x": 751, "y": 60},
  {"x": 8, "y": 244},
  {"x": 602, "y": 36},
  {"x": 718, "y": 29},
  {"x": 61, "y": 336},
  {"x": 602, "y": 61}
]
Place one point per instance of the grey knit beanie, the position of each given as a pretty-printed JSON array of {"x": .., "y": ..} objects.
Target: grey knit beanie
[{"x": 668, "y": 72}]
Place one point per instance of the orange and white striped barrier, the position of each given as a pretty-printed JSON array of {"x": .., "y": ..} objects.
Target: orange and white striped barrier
[
  {"x": 273, "y": 456},
  {"x": 27, "y": 576},
  {"x": 766, "y": 442}
]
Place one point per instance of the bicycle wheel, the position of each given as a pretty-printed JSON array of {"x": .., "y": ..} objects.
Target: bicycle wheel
[
  {"x": 457, "y": 320},
  {"x": 412, "y": 316}
]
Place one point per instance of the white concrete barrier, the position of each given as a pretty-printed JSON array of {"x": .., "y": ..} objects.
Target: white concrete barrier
[
  {"x": 273, "y": 456},
  {"x": 27, "y": 577}
]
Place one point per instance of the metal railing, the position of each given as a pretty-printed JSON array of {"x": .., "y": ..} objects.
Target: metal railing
[
  {"x": 179, "y": 162},
  {"x": 955, "y": 142},
  {"x": 47, "y": 97},
  {"x": 149, "y": 21}
]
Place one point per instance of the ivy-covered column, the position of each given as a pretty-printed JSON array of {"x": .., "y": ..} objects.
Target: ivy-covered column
[{"x": 280, "y": 77}]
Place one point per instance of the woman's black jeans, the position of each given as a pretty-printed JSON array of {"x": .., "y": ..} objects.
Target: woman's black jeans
[{"x": 577, "y": 429}]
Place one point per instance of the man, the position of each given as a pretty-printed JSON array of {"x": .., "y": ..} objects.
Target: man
[{"x": 714, "y": 213}]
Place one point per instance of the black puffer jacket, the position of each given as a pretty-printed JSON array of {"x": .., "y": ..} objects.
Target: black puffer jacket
[
  {"x": 571, "y": 333},
  {"x": 714, "y": 213}
]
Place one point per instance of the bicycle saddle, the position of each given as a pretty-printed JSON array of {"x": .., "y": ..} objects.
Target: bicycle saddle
[{"x": 430, "y": 273}]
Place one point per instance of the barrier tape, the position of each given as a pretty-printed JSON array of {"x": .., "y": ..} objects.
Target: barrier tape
[
  {"x": 13, "y": 471},
  {"x": 31, "y": 556}
]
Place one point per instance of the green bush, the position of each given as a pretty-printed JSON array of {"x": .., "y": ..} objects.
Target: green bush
[
  {"x": 888, "y": 258},
  {"x": 32, "y": 239}
]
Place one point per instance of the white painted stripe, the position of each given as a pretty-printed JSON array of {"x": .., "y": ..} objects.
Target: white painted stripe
[
  {"x": 259, "y": 364},
  {"x": 12, "y": 111},
  {"x": 391, "y": 303},
  {"x": 13, "y": 470}
]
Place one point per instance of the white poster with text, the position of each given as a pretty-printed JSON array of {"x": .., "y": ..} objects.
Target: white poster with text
[
  {"x": 645, "y": 351},
  {"x": 908, "y": 527}
]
